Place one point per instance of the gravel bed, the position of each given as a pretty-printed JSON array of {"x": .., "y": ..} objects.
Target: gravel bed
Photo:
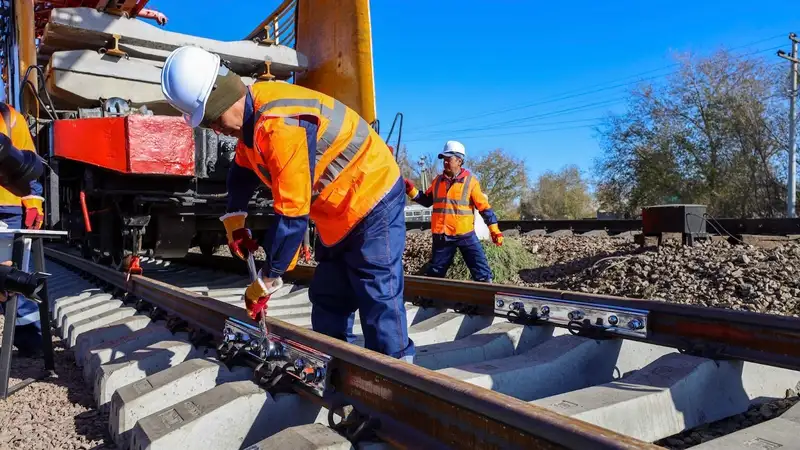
[
  {"x": 712, "y": 274},
  {"x": 52, "y": 414}
]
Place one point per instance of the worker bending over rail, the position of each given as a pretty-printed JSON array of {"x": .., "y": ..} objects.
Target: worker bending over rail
[
  {"x": 454, "y": 195},
  {"x": 322, "y": 161},
  {"x": 22, "y": 213}
]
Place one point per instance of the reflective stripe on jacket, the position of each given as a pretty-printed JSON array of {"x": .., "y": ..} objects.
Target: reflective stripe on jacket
[
  {"x": 21, "y": 139},
  {"x": 353, "y": 168},
  {"x": 454, "y": 202}
]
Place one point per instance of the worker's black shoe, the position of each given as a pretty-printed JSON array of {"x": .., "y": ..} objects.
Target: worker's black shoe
[{"x": 28, "y": 340}]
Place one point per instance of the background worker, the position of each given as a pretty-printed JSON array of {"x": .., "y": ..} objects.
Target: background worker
[
  {"x": 454, "y": 195},
  {"x": 18, "y": 213},
  {"x": 322, "y": 161}
]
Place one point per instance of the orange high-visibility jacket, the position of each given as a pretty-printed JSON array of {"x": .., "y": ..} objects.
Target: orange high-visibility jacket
[
  {"x": 454, "y": 203},
  {"x": 354, "y": 168},
  {"x": 21, "y": 139}
]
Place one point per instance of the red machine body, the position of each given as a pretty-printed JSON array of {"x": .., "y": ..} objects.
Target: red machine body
[{"x": 141, "y": 145}]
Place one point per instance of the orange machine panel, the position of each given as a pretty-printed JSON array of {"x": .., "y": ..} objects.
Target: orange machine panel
[
  {"x": 336, "y": 37},
  {"x": 144, "y": 145}
]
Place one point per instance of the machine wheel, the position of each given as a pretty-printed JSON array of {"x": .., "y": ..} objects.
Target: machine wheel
[{"x": 207, "y": 249}]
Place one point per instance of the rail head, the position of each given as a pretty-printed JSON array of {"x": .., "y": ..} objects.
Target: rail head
[{"x": 454, "y": 411}]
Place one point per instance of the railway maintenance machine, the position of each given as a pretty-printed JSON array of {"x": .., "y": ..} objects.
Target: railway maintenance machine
[{"x": 127, "y": 177}]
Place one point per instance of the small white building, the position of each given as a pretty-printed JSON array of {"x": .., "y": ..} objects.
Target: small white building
[{"x": 417, "y": 213}]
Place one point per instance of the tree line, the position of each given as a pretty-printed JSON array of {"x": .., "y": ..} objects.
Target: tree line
[{"x": 715, "y": 132}]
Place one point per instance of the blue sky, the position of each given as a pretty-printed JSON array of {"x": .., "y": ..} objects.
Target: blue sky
[{"x": 519, "y": 75}]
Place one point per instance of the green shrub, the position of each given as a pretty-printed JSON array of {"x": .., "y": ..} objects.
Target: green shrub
[{"x": 505, "y": 262}]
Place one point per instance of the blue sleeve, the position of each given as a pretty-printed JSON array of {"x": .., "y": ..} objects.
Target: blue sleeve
[
  {"x": 488, "y": 216},
  {"x": 241, "y": 184},
  {"x": 286, "y": 234},
  {"x": 36, "y": 188},
  {"x": 424, "y": 199}
]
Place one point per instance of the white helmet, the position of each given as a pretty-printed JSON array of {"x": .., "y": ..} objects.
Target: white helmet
[
  {"x": 187, "y": 79},
  {"x": 453, "y": 148}
]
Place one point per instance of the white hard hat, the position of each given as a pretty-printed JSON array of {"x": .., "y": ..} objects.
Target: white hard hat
[
  {"x": 187, "y": 80},
  {"x": 453, "y": 148}
]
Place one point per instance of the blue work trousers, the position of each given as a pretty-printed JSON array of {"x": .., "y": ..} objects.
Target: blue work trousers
[
  {"x": 364, "y": 272},
  {"x": 444, "y": 250},
  {"x": 27, "y": 310}
]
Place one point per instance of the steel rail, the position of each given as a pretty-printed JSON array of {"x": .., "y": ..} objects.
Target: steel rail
[
  {"x": 772, "y": 227},
  {"x": 710, "y": 332},
  {"x": 413, "y": 404}
]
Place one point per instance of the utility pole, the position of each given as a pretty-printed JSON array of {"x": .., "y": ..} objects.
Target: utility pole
[
  {"x": 423, "y": 173},
  {"x": 790, "y": 197}
]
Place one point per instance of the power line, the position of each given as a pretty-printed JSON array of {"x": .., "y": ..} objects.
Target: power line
[
  {"x": 510, "y": 124},
  {"x": 596, "y": 88},
  {"x": 513, "y": 134},
  {"x": 593, "y": 120}
]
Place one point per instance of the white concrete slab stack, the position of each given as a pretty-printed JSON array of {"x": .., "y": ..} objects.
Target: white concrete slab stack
[
  {"x": 78, "y": 75},
  {"x": 81, "y": 77}
]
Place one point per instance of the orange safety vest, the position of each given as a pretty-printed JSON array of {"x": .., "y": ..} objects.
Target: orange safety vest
[
  {"x": 454, "y": 203},
  {"x": 20, "y": 136},
  {"x": 354, "y": 168}
]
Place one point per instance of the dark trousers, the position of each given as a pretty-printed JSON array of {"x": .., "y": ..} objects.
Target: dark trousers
[
  {"x": 364, "y": 272},
  {"x": 444, "y": 250}
]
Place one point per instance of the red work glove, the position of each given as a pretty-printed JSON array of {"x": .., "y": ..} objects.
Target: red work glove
[
  {"x": 34, "y": 212},
  {"x": 411, "y": 191},
  {"x": 240, "y": 240},
  {"x": 257, "y": 295},
  {"x": 497, "y": 236},
  {"x": 241, "y": 243}
]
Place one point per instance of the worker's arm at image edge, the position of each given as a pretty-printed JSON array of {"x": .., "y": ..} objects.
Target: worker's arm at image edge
[
  {"x": 292, "y": 172},
  {"x": 21, "y": 138},
  {"x": 425, "y": 198},
  {"x": 481, "y": 202}
]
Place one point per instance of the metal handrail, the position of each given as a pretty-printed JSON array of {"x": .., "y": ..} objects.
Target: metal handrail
[{"x": 279, "y": 27}]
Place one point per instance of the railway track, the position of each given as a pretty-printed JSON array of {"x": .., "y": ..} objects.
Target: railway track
[
  {"x": 148, "y": 346},
  {"x": 720, "y": 227}
]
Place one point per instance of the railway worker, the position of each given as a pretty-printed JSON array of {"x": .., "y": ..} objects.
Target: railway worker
[
  {"x": 454, "y": 195},
  {"x": 322, "y": 161},
  {"x": 16, "y": 213}
]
